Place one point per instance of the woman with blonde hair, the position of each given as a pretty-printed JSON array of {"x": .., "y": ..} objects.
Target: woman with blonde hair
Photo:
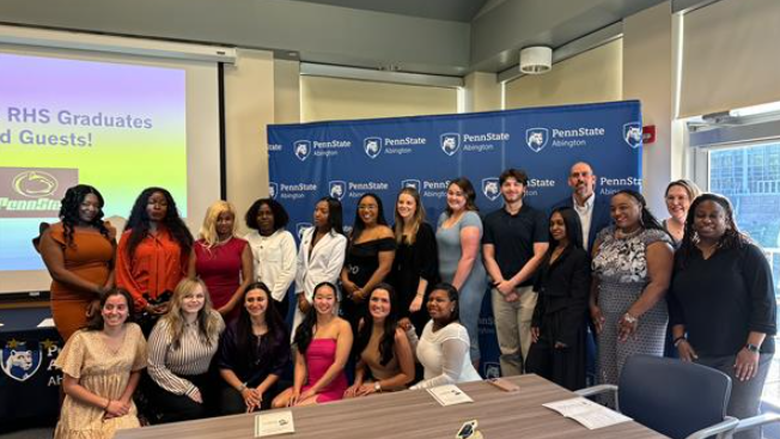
[
  {"x": 678, "y": 196},
  {"x": 181, "y": 347},
  {"x": 221, "y": 259},
  {"x": 416, "y": 263}
]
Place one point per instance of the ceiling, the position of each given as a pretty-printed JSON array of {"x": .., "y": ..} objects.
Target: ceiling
[{"x": 449, "y": 10}]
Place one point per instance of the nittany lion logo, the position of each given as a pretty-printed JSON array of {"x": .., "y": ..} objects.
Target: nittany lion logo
[
  {"x": 372, "y": 146},
  {"x": 492, "y": 370},
  {"x": 273, "y": 190},
  {"x": 302, "y": 149},
  {"x": 35, "y": 184},
  {"x": 337, "y": 189},
  {"x": 491, "y": 188},
  {"x": 536, "y": 138},
  {"x": 300, "y": 228},
  {"x": 18, "y": 362},
  {"x": 412, "y": 183},
  {"x": 450, "y": 143},
  {"x": 632, "y": 134}
]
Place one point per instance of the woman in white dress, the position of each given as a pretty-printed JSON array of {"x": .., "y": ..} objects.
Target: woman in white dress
[{"x": 444, "y": 346}]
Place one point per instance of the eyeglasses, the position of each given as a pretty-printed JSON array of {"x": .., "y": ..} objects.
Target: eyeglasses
[{"x": 368, "y": 207}]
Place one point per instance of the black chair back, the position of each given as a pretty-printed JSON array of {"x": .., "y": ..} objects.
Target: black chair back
[{"x": 673, "y": 397}]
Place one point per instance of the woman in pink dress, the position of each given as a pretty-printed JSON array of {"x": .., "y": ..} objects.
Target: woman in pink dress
[
  {"x": 221, "y": 259},
  {"x": 323, "y": 342}
]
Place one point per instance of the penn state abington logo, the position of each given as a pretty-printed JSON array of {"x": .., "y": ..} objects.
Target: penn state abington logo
[
  {"x": 537, "y": 138},
  {"x": 337, "y": 189},
  {"x": 372, "y": 146},
  {"x": 273, "y": 190},
  {"x": 302, "y": 149},
  {"x": 450, "y": 143},
  {"x": 490, "y": 188},
  {"x": 632, "y": 134},
  {"x": 18, "y": 362},
  {"x": 411, "y": 182},
  {"x": 300, "y": 228}
]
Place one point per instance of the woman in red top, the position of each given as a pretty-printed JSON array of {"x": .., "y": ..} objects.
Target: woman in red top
[
  {"x": 153, "y": 254},
  {"x": 221, "y": 259}
]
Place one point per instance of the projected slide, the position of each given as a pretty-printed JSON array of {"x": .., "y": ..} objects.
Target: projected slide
[{"x": 117, "y": 127}]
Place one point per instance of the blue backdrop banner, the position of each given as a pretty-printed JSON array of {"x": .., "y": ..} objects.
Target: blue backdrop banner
[{"x": 346, "y": 159}]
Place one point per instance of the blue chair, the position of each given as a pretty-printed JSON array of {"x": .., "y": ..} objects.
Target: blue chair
[{"x": 672, "y": 397}]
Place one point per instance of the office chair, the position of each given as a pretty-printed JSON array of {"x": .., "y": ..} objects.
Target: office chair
[{"x": 675, "y": 398}]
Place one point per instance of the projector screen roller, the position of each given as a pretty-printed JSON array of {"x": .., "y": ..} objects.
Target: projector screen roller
[{"x": 119, "y": 123}]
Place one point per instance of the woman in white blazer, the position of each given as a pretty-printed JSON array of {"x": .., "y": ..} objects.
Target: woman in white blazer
[{"x": 320, "y": 256}]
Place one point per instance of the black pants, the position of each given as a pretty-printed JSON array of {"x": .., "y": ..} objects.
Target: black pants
[
  {"x": 232, "y": 403},
  {"x": 283, "y": 306},
  {"x": 164, "y": 406}
]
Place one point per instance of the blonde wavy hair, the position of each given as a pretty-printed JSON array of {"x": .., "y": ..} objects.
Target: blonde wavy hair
[
  {"x": 207, "y": 320},
  {"x": 208, "y": 231},
  {"x": 417, "y": 219}
]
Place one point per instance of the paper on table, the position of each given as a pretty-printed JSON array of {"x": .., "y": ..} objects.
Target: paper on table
[
  {"x": 46, "y": 323},
  {"x": 587, "y": 412},
  {"x": 449, "y": 394},
  {"x": 273, "y": 423}
]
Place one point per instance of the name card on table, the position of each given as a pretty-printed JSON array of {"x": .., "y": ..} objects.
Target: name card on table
[
  {"x": 587, "y": 412},
  {"x": 449, "y": 394},
  {"x": 273, "y": 423}
]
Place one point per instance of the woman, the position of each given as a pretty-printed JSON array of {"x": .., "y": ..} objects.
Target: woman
[
  {"x": 563, "y": 285},
  {"x": 221, "y": 259},
  {"x": 153, "y": 254},
  {"x": 722, "y": 303},
  {"x": 416, "y": 264},
  {"x": 321, "y": 255},
  {"x": 369, "y": 259},
  {"x": 382, "y": 347},
  {"x": 679, "y": 195},
  {"x": 632, "y": 263},
  {"x": 101, "y": 366},
  {"x": 458, "y": 236},
  {"x": 79, "y": 253},
  {"x": 253, "y": 353},
  {"x": 181, "y": 347},
  {"x": 443, "y": 348},
  {"x": 323, "y": 342},
  {"x": 273, "y": 249}
]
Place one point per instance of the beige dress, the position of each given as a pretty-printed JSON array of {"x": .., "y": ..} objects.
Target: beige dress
[{"x": 103, "y": 372}]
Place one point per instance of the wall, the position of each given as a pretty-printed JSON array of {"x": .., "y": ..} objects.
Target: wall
[{"x": 592, "y": 76}]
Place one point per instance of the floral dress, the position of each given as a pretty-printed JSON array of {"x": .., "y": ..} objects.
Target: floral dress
[
  {"x": 103, "y": 372},
  {"x": 621, "y": 267}
]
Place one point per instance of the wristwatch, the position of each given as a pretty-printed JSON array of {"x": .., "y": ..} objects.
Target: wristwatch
[
  {"x": 377, "y": 386},
  {"x": 752, "y": 348}
]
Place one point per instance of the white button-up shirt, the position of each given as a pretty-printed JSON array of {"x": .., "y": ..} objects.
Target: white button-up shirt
[
  {"x": 586, "y": 215},
  {"x": 274, "y": 259}
]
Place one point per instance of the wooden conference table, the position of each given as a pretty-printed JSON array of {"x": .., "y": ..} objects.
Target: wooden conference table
[{"x": 415, "y": 414}]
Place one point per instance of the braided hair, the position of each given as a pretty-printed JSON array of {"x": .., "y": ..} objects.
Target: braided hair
[{"x": 69, "y": 211}]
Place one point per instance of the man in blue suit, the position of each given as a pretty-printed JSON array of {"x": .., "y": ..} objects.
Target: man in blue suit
[
  {"x": 592, "y": 210},
  {"x": 594, "y": 216}
]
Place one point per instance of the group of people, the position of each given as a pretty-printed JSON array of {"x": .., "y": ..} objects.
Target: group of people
[{"x": 384, "y": 297}]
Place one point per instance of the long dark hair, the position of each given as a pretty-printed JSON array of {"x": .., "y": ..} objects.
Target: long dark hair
[
  {"x": 358, "y": 226},
  {"x": 387, "y": 343},
  {"x": 647, "y": 219},
  {"x": 138, "y": 223},
  {"x": 69, "y": 211},
  {"x": 305, "y": 332},
  {"x": 96, "y": 323},
  {"x": 453, "y": 294},
  {"x": 244, "y": 335},
  {"x": 732, "y": 238},
  {"x": 335, "y": 214},
  {"x": 571, "y": 220}
]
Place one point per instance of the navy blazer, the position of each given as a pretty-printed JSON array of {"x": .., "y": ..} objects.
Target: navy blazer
[{"x": 600, "y": 219}]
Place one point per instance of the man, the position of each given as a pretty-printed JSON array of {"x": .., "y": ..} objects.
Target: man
[
  {"x": 513, "y": 245},
  {"x": 593, "y": 211}
]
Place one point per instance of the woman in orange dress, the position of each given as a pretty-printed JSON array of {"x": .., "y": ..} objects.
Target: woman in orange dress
[
  {"x": 153, "y": 254},
  {"x": 79, "y": 253}
]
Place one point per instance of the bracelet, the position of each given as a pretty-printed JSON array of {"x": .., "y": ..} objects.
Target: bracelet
[
  {"x": 629, "y": 318},
  {"x": 679, "y": 340},
  {"x": 242, "y": 387},
  {"x": 108, "y": 403},
  {"x": 377, "y": 386}
]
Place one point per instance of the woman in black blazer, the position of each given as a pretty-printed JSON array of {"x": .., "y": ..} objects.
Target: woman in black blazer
[{"x": 558, "y": 326}]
